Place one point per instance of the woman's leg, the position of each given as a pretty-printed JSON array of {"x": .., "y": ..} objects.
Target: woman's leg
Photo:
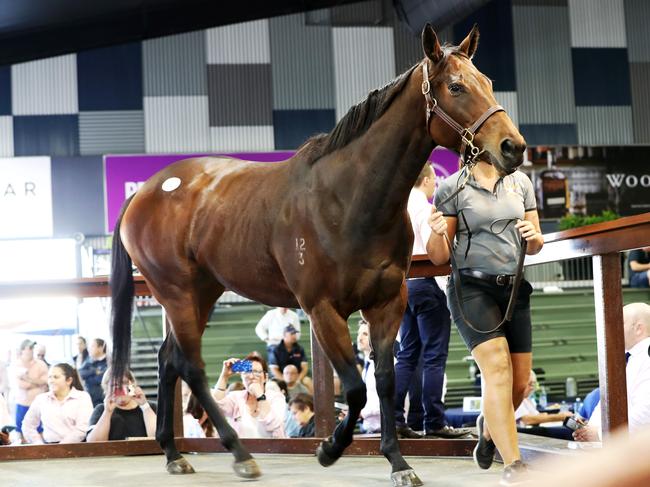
[
  {"x": 493, "y": 358},
  {"x": 522, "y": 363}
]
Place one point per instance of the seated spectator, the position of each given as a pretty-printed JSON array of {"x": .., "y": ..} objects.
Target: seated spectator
[
  {"x": 5, "y": 421},
  {"x": 82, "y": 353},
  {"x": 639, "y": 263},
  {"x": 196, "y": 423},
  {"x": 589, "y": 404},
  {"x": 294, "y": 386},
  {"x": 288, "y": 352},
  {"x": 4, "y": 378},
  {"x": 64, "y": 411},
  {"x": 92, "y": 370},
  {"x": 527, "y": 413},
  {"x": 124, "y": 414},
  {"x": 253, "y": 412},
  {"x": 31, "y": 379},
  {"x": 271, "y": 327},
  {"x": 636, "y": 333},
  {"x": 302, "y": 408},
  {"x": 370, "y": 415},
  {"x": 291, "y": 428}
]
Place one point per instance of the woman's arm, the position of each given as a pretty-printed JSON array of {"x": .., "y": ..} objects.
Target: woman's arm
[
  {"x": 149, "y": 419},
  {"x": 638, "y": 267},
  {"x": 530, "y": 230},
  {"x": 437, "y": 248},
  {"x": 31, "y": 421},
  {"x": 102, "y": 428}
]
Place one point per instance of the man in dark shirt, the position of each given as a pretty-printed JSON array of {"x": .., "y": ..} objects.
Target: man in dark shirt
[
  {"x": 289, "y": 351},
  {"x": 639, "y": 262},
  {"x": 302, "y": 409}
]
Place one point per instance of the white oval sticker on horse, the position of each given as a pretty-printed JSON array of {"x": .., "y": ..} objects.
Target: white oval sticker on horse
[{"x": 171, "y": 184}]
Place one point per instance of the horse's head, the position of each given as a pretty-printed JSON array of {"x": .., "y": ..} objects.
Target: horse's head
[{"x": 460, "y": 99}]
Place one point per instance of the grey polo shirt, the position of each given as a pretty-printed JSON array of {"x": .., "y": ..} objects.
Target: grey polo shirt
[{"x": 486, "y": 239}]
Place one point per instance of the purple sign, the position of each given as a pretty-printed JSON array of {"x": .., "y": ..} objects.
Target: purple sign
[{"x": 125, "y": 174}]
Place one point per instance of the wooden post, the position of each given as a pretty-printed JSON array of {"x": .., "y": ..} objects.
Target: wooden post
[
  {"x": 323, "y": 379},
  {"x": 608, "y": 300}
]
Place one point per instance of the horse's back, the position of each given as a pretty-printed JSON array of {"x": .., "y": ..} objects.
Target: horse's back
[{"x": 214, "y": 213}]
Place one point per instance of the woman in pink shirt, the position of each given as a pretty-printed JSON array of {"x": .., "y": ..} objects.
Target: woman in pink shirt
[
  {"x": 253, "y": 412},
  {"x": 31, "y": 374},
  {"x": 64, "y": 411}
]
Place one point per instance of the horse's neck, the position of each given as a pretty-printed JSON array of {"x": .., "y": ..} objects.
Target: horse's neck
[{"x": 391, "y": 155}]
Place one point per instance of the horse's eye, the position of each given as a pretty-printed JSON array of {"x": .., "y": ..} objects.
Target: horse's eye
[{"x": 455, "y": 88}]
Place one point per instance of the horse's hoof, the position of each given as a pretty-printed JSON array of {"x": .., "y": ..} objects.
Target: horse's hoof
[
  {"x": 179, "y": 467},
  {"x": 405, "y": 478},
  {"x": 326, "y": 456},
  {"x": 247, "y": 469}
]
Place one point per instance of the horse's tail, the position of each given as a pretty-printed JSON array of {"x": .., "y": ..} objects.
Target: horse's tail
[{"x": 122, "y": 293}]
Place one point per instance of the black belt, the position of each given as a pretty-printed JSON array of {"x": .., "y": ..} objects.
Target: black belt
[{"x": 497, "y": 280}]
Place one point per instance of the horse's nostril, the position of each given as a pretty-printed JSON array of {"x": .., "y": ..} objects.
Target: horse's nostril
[{"x": 507, "y": 147}]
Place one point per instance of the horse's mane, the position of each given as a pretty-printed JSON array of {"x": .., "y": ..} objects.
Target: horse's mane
[{"x": 357, "y": 121}]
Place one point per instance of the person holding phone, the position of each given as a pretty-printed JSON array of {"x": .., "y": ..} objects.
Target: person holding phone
[
  {"x": 63, "y": 411},
  {"x": 253, "y": 412},
  {"x": 125, "y": 413}
]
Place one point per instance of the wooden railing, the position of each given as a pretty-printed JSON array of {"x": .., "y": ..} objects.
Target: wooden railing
[{"x": 602, "y": 241}]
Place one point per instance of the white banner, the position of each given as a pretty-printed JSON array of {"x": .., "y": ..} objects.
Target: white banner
[{"x": 25, "y": 197}]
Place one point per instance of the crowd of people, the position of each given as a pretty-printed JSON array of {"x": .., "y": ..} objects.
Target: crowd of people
[{"x": 69, "y": 402}]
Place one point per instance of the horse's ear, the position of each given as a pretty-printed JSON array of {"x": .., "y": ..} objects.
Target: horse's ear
[
  {"x": 470, "y": 43},
  {"x": 430, "y": 44}
]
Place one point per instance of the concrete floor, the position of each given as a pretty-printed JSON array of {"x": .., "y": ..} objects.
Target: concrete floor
[{"x": 213, "y": 469}]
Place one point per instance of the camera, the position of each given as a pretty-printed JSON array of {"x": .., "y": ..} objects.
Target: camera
[
  {"x": 573, "y": 423},
  {"x": 242, "y": 366}
]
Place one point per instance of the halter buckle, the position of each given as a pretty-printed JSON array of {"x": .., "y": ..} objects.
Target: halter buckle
[
  {"x": 426, "y": 87},
  {"x": 468, "y": 137}
]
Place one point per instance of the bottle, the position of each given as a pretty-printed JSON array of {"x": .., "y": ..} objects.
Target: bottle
[
  {"x": 564, "y": 407},
  {"x": 571, "y": 389},
  {"x": 543, "y": 399},
  {"x": 577, "y": 405},
  {"x": 472, "y": 370}
]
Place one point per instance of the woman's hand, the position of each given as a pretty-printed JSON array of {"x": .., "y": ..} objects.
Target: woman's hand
[
  {"x": 526, "y": 229},
  {"x": 139, "y": 396},
  {"x": 226, "y": 371},
  {"x": 109, "y": 403},
  {"x": 256, "y": 389},
  {"x": 437, "y": 222}
]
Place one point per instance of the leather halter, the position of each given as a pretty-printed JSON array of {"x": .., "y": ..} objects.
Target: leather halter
[
  {"x": 466, "y": 134},
  {"x": 469, "y": 160}
]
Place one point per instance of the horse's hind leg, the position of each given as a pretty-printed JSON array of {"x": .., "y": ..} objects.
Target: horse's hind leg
[
  {"x": 167, "y": 376},
  {"x": 181, "y": 356},
  {"x": 333, "y": 334},
  {"x": 384, "y": 323}
]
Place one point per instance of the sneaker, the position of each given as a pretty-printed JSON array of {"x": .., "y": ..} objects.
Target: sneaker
[
  {"x": 515, "y": 474},
  {"x": 484, "y": 449},
  {"x": 405, "y": 432},
  {"x": 447, "y": 432}
]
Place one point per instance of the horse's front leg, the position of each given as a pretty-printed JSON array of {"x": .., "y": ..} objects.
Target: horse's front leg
[
  {"x": 331, "y": 330},
  {"x": 384, "y": 321}
]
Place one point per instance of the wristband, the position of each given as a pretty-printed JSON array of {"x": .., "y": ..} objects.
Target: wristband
[{"x": 261, "y": 398}]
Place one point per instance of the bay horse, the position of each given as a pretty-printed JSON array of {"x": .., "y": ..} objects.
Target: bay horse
[{"x": 326, "y": 231}]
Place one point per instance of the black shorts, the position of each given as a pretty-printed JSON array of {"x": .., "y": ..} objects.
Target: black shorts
[{"x": 485, "y": 304}]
